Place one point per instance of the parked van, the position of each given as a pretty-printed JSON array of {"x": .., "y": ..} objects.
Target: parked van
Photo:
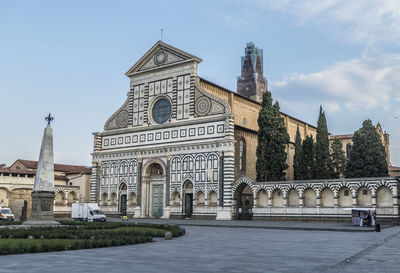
[
  {"x": 87, "y": 212},
  {"x": 6, "y": 214}
]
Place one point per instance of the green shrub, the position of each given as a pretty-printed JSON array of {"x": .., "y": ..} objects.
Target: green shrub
[{"x": 78, "y": 235}]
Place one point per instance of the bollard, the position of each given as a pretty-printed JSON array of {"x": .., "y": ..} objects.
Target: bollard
[
  {"x": 377, "y": 227},
  {"x": 168, "y": 235}
]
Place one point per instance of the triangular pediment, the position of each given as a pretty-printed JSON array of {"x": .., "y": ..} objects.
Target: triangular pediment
[{"x": 161, "y": 55}]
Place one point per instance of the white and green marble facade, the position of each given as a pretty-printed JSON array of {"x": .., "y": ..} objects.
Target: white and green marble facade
[{"x": 191, "y": 153}]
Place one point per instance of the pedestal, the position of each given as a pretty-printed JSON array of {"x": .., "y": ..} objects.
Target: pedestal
[
  {"x": 42, "y": 210},
  {"x": 166, "y": 213},
  {"x": 137, "y": 212},
  {"x": 224, "y": 213}
]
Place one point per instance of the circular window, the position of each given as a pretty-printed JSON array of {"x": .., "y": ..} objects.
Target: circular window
[{"x": 161, "y": 111}]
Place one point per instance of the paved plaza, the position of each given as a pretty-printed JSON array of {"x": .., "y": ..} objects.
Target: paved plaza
[{"x": 223, "y": 249}]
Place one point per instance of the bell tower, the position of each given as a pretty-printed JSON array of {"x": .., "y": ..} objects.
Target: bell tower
[{"x": 251, "y": 83}]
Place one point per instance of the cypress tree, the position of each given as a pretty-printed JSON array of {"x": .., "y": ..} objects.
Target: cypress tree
[
  {"x": 368, "y": 156},
  {"x": 322, "y": 155},
  {"x": 308, "y": 158},
  {"x": 297, "y": 159},
  {"x": 272, "y": 140},
  {"x": 338, "y": 158}
]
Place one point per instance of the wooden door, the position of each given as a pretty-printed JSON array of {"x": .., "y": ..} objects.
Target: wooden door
[
  {"x": 188, "y": 205},
  {"x": 123, "y": 204},
  {"x": 157, "y": 200}
]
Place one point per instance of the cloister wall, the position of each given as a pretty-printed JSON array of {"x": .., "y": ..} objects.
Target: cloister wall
[{"x": 327, "y": 199}]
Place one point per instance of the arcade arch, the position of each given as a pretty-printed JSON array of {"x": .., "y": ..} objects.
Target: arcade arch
[
  {"x": 384, "y": 197},
  {"x": 310, "y": 198},
  {"x": 327, "y": 198},
  {"x": 364, "y": 198},
  {"x": 244, "y": 202}
]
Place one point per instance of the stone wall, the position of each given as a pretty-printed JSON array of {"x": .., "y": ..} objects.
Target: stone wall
[
  {"x": 325, "y": 199},
  {"x": 246, "y": 127}
]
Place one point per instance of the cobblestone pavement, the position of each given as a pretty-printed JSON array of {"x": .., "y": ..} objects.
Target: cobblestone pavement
[{"x": 221, "y": 249}]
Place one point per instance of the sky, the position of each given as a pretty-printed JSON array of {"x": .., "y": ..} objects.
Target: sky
[{"x": 69, "y": 58}]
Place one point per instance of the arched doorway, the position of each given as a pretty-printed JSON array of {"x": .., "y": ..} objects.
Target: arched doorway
[
  {"x": 244, "y": 205},
  {"x": 188, "y": 201},
  {"x": 122, "y": 199},
  {"x": 153, "y": 189}
]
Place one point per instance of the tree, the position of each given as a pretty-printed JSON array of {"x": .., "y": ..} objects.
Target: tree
[
  {"x": 272, "y": 140},
  {"x": 322, "y": 155},
  {"x": 297, "y": 159},
  {"x": 338, "y": 158},
  {"x": 368, "y": 156},
  {"x": 308, "y": 158}
]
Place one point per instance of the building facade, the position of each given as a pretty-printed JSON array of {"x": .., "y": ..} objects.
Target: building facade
[
  {"x": 179, "y": 145},
  {"x": 169, "y": 147},
  {"x": 71, "y": 184}
]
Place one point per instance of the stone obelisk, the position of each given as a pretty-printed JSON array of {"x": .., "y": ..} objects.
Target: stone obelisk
[{"x": 43, "y": 188}]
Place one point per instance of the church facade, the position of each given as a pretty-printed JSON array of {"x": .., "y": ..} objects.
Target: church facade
[
  {"x": 169, "y": 150},
  {"x": 182, "y": 146}
]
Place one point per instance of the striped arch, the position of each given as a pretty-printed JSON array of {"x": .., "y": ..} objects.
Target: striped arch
[
  {"x": 306, "y": 187},
  {"x": 326, "y": 186},
  {"x": 173, "y": 190},
  {"x": 383, "y": 183},
  {"x": 345, "y": 185},
  {"x": 243, "y": 180},
  {"x": 294, "y": 187},
  {"x": 262, "y": 187},
  {"x": 364, "y": 184},
  {"x": 277, "y": 187},
  {"x": 258, "y": 189},
  {"x": 214, "y": 189},
  {"x": 201, "y": 190},
  {"x": 131, "y": 190},
  {"x": 198, "y": 189}
]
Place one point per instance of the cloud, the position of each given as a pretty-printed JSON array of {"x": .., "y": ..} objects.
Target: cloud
[
  {"x": 366, "y": 21},
  {"x": 365, "y": 82}
]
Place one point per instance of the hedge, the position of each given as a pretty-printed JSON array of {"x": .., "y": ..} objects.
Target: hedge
[{"x": 77, "y": 235}]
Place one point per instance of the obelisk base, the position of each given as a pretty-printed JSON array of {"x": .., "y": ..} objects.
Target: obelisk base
[{"x": 42, "y": 210}]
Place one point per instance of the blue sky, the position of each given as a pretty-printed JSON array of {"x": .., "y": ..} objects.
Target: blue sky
[{"x": 69, "y": 58}]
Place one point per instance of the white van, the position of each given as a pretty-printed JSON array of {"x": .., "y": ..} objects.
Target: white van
[
  {"x": 87, "y": 212},
  {"x": 6, "y": 214}
]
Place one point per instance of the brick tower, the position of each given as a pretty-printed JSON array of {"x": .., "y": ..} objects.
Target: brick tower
[{"x": 251, "y": 83}]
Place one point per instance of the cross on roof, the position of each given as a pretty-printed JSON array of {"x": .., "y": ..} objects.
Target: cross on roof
[{"x": 49, "y": 119}]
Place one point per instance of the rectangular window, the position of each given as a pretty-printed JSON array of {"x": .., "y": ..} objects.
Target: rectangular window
[
  {"x": 185, "y": 165},
  {"x": 346, "y": 193},
  {"x": 365, "y": 192},
  {"x": 190, "y": 165},
  {"x": 215, "y": 176}
]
